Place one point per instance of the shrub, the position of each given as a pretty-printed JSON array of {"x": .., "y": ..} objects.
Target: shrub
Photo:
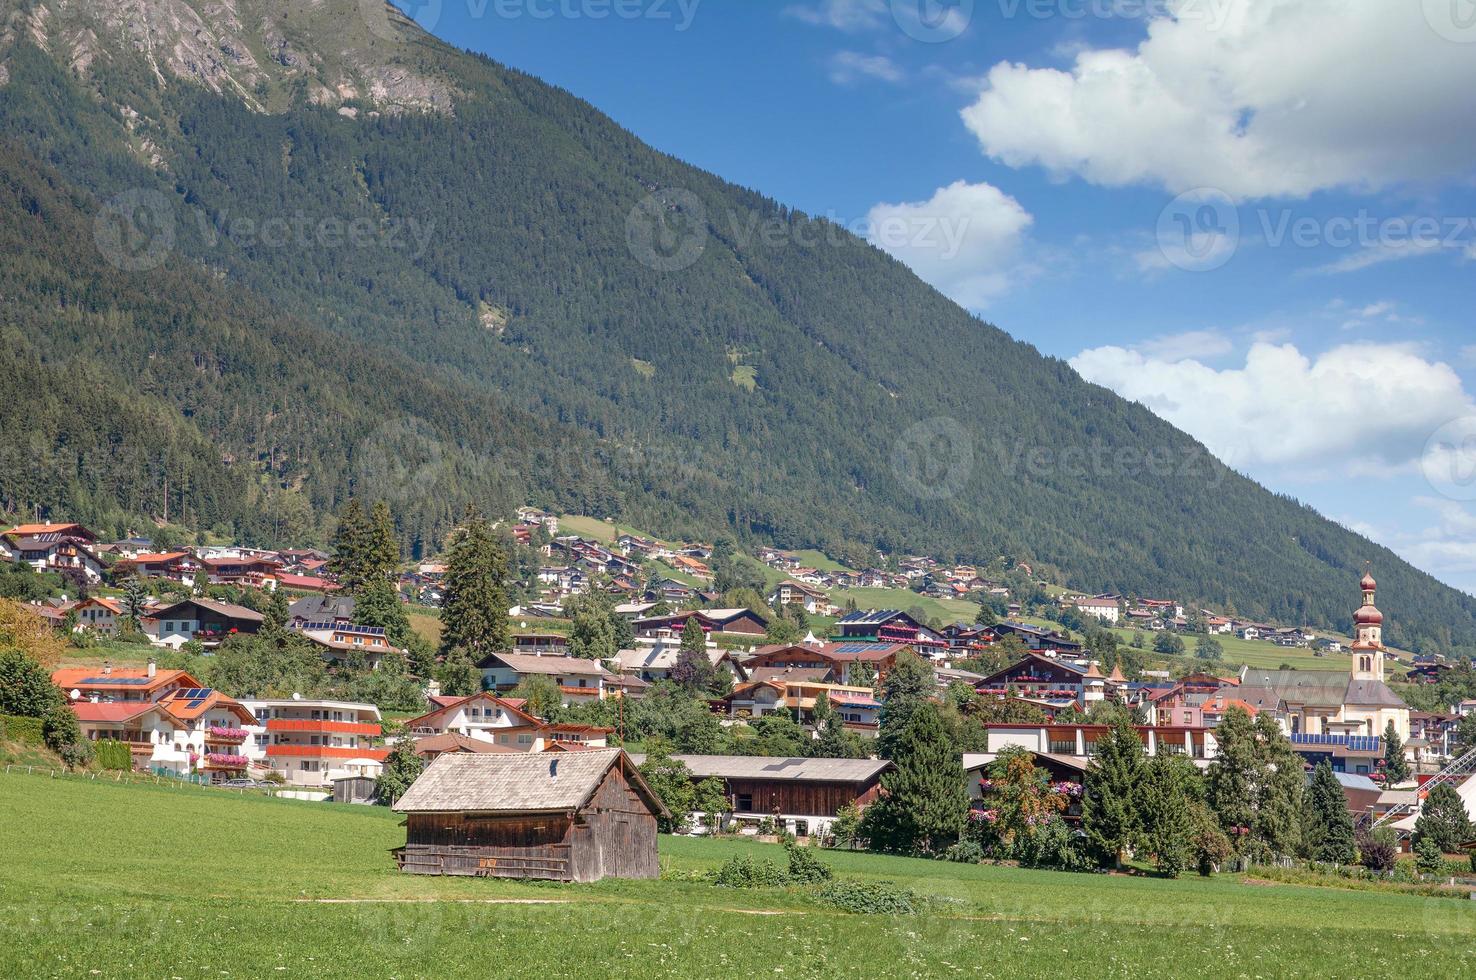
[
  {"x": 965, "y": 852},
  {"x": 745, "y": 872},
  {"x": 59, "y": 729},
  {"x": 77, "y": 755},
  {"x": 1053, "y": 846},
  {"x": 113, "y": 755},
  {"x": 805, "y": 868},
  {"x": 870, "y": 898},
  {"x": 845, "y": 830},
  {"x": 21, "y": 729},
  {"x": 1428, "y": 856},
  {"x": 1377, "y": 851}
]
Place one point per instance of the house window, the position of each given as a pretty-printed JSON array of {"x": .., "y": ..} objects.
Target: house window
[{"x": 744, "y": 803}]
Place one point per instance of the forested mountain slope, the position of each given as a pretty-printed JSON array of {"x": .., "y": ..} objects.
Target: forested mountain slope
[{"x": 373, "y": 264}]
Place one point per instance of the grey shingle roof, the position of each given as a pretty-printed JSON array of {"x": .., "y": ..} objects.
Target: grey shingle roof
[
  {"x": 536, "y": 782},
  {"x": 797, "y": 770}
]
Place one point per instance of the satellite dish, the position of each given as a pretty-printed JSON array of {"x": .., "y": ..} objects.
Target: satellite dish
[{"x": 76, "y": 695}]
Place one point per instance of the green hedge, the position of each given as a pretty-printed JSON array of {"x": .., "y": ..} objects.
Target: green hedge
[
  {"x": 20, "y": 729},
  {"x": 114, "y": 755}
]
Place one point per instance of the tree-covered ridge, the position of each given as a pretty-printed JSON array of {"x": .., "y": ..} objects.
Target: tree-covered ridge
[{"x": 495, "y": 336}]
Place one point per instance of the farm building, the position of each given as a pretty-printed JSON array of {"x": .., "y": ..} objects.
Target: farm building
[
  {"x": 560, "y": 816},
  {"x": 803, "y": 795}
]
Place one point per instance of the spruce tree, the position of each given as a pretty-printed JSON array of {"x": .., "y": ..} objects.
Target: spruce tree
[
  {"x": 1443, "y": 819},
  {"x": 378, "y": 604},
  {"x": 909, "y": 686},
  {"x": 351, "y": 547},
  {"x": 474, "y": 610},
  {"x": 1329, "y": 828},
  {"x": 1110, "y": 814},
  {"x": 1233, "y": 778},
  {"x": 924, "y": 803},
  {"x": 382, "y": 551},
  {"x": 1396, "y": 766},
  {"x": 1164, "y": 809},
  {"x": 458, "y": 675},
  {"x": 1278, "y": 823}
]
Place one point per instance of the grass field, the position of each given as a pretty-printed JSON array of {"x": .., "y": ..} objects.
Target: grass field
[
  {"x": 946, "y": 610},
  {"x": 122, "y": 881}
]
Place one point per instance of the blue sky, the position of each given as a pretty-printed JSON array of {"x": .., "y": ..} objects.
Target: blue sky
[{"x": 1257, "y": 217}]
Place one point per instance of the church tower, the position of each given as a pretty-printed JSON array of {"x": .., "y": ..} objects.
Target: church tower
[{"x": 1368, "y": 635}]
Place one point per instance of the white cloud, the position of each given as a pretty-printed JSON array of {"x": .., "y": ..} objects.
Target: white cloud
[
  {"x": 964, "y": 239},
  {"x": 1468, "y": 354},
  {"x": 1285, "y": 97},
  {"x": 1198, "y": 344},
  {"x": 850, "y": 66},
  {"x": 1357, "y": 407},
  {"x": 1372, "y": 255},
  {"x": 1446, "y": 549},
  {"x": 843, "y": 15}
]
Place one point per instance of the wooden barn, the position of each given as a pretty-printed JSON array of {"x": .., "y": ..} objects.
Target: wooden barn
[{"x": 560, "y": 816}]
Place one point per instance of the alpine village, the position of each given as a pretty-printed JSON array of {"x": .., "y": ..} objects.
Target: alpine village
[{"x": 518, "y": 608}]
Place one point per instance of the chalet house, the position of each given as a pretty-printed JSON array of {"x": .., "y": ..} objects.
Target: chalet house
[
  {"x": 731, "y": 622},
  {"x": 578, "y": 680},
  {"x": 691, "y": 566},
  {"x": 795, "y": 593},
  {"x": 338, "y": 610},
  {"x": 303, "y": 583},
  {"x": 310, "y": 743},
  {"x": 1103, "y": 608},
  {"x": 177, "y": 566},
  {"x": 656, "y": 662},
  {"x": 47, "y": 547},
  {"x": 250, "y": 570},
  {"x": 578, "y": 816},
  {"x": 842, "y": 661},
  {"x": 99, "y": 614},
  {"x": 891, "y": 626},
  {"x": 1037, "y": 639},
  {"x": 204, "y": 620},
  {"x": 634, "y": 610},
  {"x": 803, "y": 795},
  {"x": 341, "y": 643},
  {"x": 541, "y": 644},
  {"x": 170, "y": 723},
  {"x": 1052, "y": 681},
  {"x": 857, "y": 707}
]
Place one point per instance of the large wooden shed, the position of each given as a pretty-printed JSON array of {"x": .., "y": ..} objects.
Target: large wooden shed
[{"x": 559, "y": 816}]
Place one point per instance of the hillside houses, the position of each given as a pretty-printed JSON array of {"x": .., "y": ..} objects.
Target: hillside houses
[{"x": 68, "y": 549}]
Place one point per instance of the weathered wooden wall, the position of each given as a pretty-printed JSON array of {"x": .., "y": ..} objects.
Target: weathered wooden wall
[{"x": 614, "y": 835}]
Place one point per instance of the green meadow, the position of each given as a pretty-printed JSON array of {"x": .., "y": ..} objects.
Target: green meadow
[{"x": 105, "y": 880}]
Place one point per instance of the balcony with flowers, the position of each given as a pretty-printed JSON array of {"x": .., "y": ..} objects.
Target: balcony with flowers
[
  {"x": 224, "y": 761},
  {"x": 224, "y": 735}
]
